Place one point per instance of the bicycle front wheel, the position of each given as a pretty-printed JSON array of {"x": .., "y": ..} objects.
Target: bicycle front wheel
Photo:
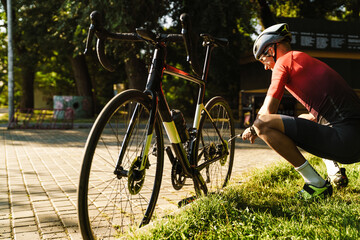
[
  {"x": 215, "y": 157},
  {"x": 114, "y": 194}
]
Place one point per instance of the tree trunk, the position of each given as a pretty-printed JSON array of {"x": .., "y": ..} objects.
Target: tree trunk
[
  {"x": 81, "y": 75},
  {"x": 82, "y": 79},
  {"x": 136, "y": 71},
  {"x": 267, "y": 18},
  {"x": 27, "y": 84}
]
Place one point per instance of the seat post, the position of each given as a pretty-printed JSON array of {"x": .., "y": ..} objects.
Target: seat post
[{"x": 209, "y": 48}]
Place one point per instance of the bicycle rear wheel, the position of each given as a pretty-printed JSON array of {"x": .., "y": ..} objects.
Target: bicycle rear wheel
[
  {"x": 215, "y": 157},
  {"x": 109, "y": 202}
]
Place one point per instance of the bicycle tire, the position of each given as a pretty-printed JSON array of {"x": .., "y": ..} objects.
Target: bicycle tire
[
  {"x": 106, "y": 206},
  {"x": 209, "y": 145}
]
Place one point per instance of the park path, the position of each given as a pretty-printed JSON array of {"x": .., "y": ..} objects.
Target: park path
[{"x": 39, "y": 172}]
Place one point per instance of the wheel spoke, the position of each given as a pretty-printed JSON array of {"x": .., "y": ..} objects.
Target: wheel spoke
[
  {"x": 212, "y": 164},
  {"x": 111, "y": 209}
]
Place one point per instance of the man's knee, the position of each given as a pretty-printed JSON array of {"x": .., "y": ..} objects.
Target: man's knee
[
  {"x": 268, "y": 122},
  {"x": 261, "y": 124}
]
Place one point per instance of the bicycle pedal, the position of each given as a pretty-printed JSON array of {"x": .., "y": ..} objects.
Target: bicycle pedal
[{"x": 186, "y": 201}]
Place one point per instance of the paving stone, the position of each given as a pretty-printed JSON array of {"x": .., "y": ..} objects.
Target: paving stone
[
  {"x": 4, "y": 223},
  {"x": 69, "y": 221},
  {"x": 56, "y": 235},
  {"x": 47, "y": 217},
  {"x": 42, "y": 169},
  {"x": 52, "y": 229},
  {"x": 22, "y": 214},
  {"x": 24, "y": 222},
  {"x": 27, "y": 235},
  {"x": 5, "y": 235}
]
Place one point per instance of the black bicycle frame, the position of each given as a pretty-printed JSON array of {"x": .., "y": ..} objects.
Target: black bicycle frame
[{"x": 159, "y": 104}]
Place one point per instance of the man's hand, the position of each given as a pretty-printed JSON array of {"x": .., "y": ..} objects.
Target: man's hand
[
  {"x": 248, "y": 134},
  {"x": 307, "y": 116}
]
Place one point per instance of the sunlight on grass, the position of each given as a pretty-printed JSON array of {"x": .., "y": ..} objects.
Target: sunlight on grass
[
  {"x": 4, "y": 118},
  {"x": 262, "y": 206}
]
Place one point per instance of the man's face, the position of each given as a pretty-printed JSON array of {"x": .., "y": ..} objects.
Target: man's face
[{"x": 267, "y": 58}]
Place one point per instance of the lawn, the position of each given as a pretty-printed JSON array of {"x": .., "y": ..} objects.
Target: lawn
[{"x": 261, "y": 205}]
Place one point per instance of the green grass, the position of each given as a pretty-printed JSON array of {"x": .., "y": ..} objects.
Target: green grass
[
  {"x": 262, "y": 206},
  {"x": 4, "y": 118}
]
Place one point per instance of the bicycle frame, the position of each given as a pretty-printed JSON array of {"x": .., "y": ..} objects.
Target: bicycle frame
[
  {"x": 159, "y": 104},
  {"x": 109, "y": 203}
]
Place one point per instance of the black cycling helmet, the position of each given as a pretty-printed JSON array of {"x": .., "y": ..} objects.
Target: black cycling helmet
[{"x": 271, "y": 35}]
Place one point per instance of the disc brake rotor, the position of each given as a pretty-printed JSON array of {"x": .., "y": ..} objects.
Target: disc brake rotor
[
  {"x": 223, "y": 150},
  {"x": 136, "y": 177},
  {"x": 210, "y": 151}
]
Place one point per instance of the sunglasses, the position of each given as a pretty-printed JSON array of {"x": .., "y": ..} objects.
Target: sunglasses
[{"x": 266, "y": 53}]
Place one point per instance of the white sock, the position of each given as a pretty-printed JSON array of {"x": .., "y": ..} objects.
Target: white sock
[
  {"x": 310, "y": 175},
  {"x": 331, "y": 166}
]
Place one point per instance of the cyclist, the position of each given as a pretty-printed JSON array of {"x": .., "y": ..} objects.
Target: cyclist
[{"x": 331, "y": 103}]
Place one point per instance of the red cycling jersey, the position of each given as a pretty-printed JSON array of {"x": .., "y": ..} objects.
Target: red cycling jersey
[{"x": 322, "y": 91}]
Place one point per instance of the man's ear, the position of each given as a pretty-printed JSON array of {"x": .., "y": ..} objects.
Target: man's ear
[{"x": 272, "y": 51}]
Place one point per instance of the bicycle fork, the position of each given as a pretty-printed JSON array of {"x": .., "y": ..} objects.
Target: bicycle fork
[{"x": 141, "y": 160}]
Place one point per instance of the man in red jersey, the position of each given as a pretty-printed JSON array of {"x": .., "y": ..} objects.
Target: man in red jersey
[{"x": 331, "y": 130}]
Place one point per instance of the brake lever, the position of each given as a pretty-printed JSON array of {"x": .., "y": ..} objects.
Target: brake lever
[{"x": 96, "y": 28}]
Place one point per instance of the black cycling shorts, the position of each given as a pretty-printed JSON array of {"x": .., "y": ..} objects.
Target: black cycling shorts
[{"x": 339, "y": 142}]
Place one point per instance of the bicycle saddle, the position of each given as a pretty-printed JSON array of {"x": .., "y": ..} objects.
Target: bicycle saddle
[{"x": 218, "y": 42}]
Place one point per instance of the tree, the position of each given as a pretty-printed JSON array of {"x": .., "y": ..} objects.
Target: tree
[
  {"x": 266, "y": 16},
  {"x": 122, "y": 16},
  {"x": 48, "y": 29},
  {"x": 32, "y": 20},
  {"x": 341, "y": 10},
  {"x": 231, "y": 19},
  {"x": 3, "y": 60}
]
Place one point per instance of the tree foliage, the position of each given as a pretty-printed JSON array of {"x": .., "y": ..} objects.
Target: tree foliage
[
  {"x": 118, "y": 16},
  {"x": 3, "y": 59},
  {"x": 230, "y": 19},
  {"x": 340, "y": 10},
  {"x": 32, "y": 21},
  {"x": 49, "y": 35}
]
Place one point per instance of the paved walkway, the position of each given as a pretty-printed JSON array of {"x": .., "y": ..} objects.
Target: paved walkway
[{"x": 39, "y": 172}]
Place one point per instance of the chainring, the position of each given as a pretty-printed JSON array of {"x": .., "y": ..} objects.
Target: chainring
[{"x": 177, "y": 176}]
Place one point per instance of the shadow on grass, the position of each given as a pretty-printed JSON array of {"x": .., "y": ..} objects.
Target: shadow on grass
[{"x": 264, "y": 207}]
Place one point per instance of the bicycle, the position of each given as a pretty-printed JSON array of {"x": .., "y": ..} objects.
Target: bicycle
[{"x": 124, "y": 153}]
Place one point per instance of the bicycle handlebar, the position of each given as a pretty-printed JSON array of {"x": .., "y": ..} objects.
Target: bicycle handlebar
[{"x": 96, "y": 28}]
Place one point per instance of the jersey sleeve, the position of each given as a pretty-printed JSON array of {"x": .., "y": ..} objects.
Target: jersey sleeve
[{"x": 279, "y": 78}]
